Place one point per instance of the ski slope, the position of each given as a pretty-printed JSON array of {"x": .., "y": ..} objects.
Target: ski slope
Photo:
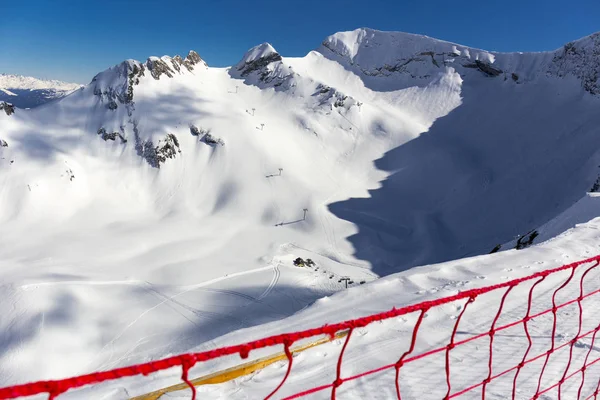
[
  {"x": 128, "y": 235},
  {"x": 383, "y": 343}
]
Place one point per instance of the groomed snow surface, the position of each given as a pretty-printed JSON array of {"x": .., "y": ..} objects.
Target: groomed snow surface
[{"x": 111, "y": 258}]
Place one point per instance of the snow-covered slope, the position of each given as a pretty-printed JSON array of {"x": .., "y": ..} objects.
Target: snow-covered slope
[
  {"x": 521, "y": 148},
  {"x": 162, "y": 205},
  {"x": 383, "y": 343},
  {"x": 29, "y": 92}
]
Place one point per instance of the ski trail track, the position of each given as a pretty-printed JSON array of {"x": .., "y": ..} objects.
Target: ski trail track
[
  {"x": 200, "y": 313},
  {"x": 274, "y": 281},
  {"x": 170, "y": 301}
]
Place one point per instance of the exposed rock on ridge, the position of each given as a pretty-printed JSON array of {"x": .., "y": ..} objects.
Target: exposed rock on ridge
[
  {"x": 110, "y": 135},
  {"x": 116, "y": 85},
  {"x": 7, "y": 107},
  {"x": 580, "y": 59},
  {"x": 155, "y": 155},
  {"x": 263, "y": 65},
  {"x": 372, "y": 53}
]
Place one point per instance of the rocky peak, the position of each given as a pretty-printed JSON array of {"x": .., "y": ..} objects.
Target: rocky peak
[
  {"x": 115, "y": 85},
  {"x": 193, "y": 58},
  {"x": 158, "y": 67},
  {"x": 190, "y": 61},
  {"x": 257, "y": 58},
  {"x": 264, "y": 67}
]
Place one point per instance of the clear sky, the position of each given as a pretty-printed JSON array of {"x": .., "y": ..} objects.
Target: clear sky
[{"x": 72, "y": 40}]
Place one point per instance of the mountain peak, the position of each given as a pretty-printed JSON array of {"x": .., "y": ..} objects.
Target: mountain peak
[
  {"x": 257, "y": 58},
  {"x": 116, "y": 84},
  {"x": 260, "y": 51},
  {"x": 365, "y": 45},
  {"x": 194, "y": 58}
]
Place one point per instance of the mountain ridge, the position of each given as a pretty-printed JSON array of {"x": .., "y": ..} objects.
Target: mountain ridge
[
  {"x": 374, "y": 53},
  {"x": 394, "y": 53},
  {"x": 13, "y": 81},
  {"x": 367, "y": 30},
  {"x": 28, "y": 92}
]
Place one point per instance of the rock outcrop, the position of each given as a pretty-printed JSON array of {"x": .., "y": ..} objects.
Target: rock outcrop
[
  {"x": 167, "y": 148},
  {"x": 158, "y": 67},
  {"x": 334, "y": 98},
  {"x": 8, "y": 108},
  {"x": 205, "y": 137},
  {"x": 111, "y": 135},
  {"x": 192, "y": 60},
  {"x": 155, "y": 155},
  {"x": 212, "y": 140},
  {"x": 171, "y": 66},
  {"x": 582, "y": 60},
  {"x": 486, "y": 68}
]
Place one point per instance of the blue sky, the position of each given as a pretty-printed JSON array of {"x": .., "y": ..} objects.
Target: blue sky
[{"x": 72, "y": 40}]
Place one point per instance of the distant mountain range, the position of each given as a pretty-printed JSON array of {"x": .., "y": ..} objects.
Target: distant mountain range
[{"x": 29, "y": 92}]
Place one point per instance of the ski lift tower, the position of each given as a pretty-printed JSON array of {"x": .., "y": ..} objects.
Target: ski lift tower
[{"x": 346, "y": 279}]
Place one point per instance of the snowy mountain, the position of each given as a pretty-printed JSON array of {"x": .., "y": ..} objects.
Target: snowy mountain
[
  {"x": 409, "y": 59},
  {"x": 29, "y": 92},
  {"x": 162, "y": 206}
]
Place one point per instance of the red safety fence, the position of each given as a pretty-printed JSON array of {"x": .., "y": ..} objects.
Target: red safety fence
[{"x": 187, "y": 361}]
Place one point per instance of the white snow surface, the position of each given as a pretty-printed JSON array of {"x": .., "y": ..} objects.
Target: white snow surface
[{"x": 111, "y": 256}]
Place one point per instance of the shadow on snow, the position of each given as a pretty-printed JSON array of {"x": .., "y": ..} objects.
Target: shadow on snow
[{"x": 498, "y": 165}]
